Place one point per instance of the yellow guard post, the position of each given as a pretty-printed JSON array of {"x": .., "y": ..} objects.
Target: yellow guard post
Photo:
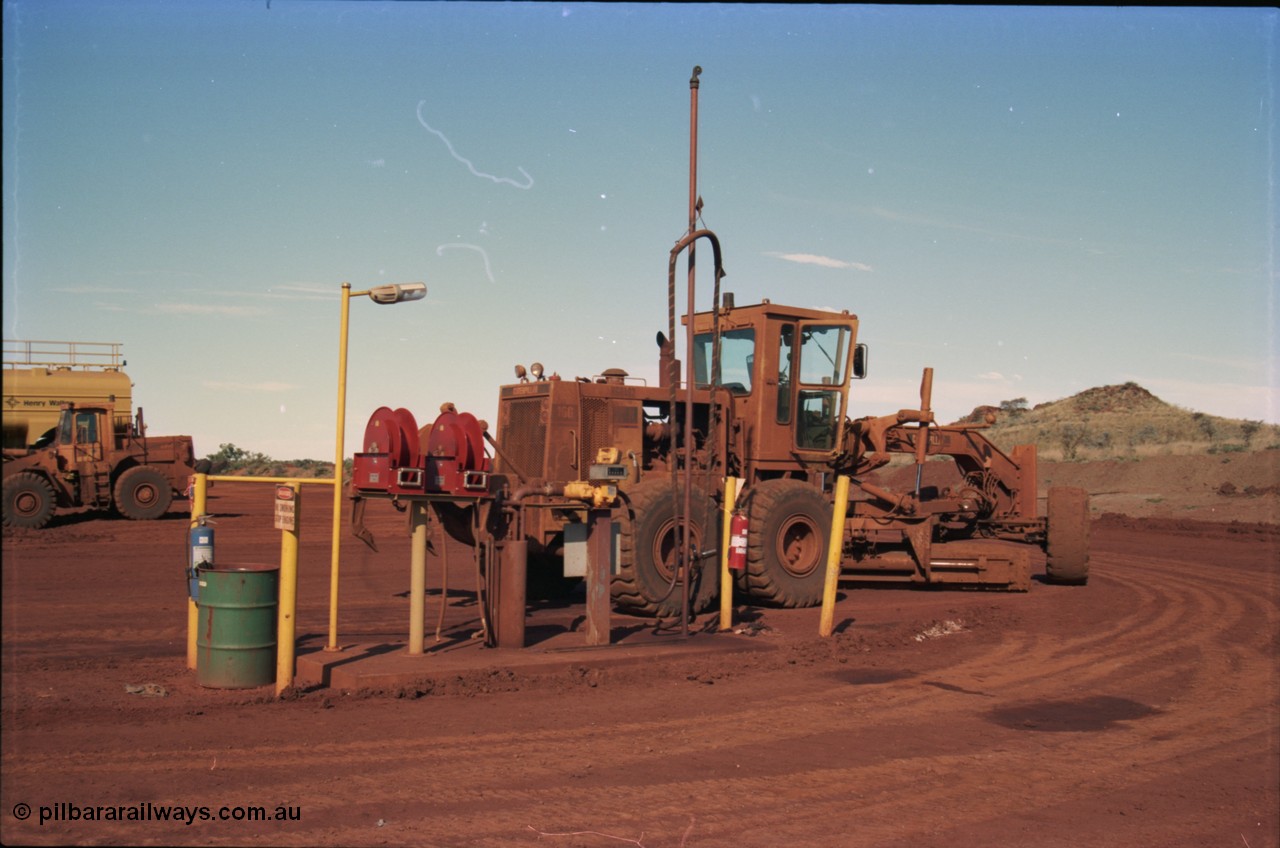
[
  {"x": 286, "y": 614},
  {"x": 726, "y": 577},
  {"x": 827, "y": 623},
  {"x": 199, "y": 498}
]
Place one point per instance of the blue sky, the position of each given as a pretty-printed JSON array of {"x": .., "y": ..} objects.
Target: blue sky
[{"x": 1033, "y": 201}]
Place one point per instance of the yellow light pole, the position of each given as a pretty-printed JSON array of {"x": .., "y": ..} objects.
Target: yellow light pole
[{"x": 397, "y": 293}]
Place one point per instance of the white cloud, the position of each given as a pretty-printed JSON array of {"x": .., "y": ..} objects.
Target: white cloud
[
  {"x": 924, "y": 221},
  {"x": 207, "y": 309},
  {"x": 815, "y": 259},
  {"x": 93, "y": 290},
  {"x": 221, "y": 385},
  {"x": 1229, "y": 400},
  {"x": 1258, "y": 365},
  {"x": 303, "y": 291}
]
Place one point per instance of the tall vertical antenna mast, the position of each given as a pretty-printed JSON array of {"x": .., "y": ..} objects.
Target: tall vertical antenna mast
[{"x": 686, "y": 548}]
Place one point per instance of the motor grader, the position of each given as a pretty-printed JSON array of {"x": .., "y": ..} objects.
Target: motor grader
[
  {"x": 769, "y": 407},
  {"x": 764, "y": 399}
]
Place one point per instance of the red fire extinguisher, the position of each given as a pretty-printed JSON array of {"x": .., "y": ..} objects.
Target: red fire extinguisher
[{"x": 738, "y": 541}]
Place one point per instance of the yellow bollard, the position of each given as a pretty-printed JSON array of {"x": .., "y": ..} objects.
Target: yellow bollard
[
  {"x": 286, "y": 613},
  {"x": 726, "y": 577},
  {"x": 417, "y": 576},
  {"x": 199, "y": 499},
  {"x": 827, "y": 623}
]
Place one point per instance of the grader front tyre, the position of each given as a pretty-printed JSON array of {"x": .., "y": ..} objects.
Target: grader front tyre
[
  {"x": 789, "y": 525},
  {"x": 1067, "y": 547},
  {"x": 142, "y": 493},
  {"x": 647, "y": 582},
  {"x": 28, "y": 501}
]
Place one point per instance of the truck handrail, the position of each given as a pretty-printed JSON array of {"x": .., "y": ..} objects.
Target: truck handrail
[{"x": 32, "y": 353}]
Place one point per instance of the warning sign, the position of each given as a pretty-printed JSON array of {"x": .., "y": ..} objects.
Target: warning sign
[{"x": 286, "y": 509}]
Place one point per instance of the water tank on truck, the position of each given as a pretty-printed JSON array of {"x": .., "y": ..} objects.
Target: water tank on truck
[{"x": 41, "y": 376}]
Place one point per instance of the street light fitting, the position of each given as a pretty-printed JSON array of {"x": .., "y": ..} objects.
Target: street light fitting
[{"x": 398, "y": 292}]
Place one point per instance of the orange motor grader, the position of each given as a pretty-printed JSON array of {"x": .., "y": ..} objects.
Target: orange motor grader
[{"x": 769, "y": 407}]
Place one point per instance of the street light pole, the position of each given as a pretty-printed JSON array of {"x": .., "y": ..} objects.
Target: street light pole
[
  {"x": 336, "y": 541},
  {"x": 388, "y": 294}
]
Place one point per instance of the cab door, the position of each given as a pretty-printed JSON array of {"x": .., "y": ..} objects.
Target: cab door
[
  {"x": 823, "y": 354},
  {"x": 81, "y": 455}
]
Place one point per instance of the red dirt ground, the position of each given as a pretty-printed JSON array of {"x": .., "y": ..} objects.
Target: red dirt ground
[{"x": 1141, "y": 709}]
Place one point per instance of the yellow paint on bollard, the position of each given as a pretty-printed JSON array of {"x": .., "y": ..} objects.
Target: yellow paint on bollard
[
  {"x": 418, "y": 577},
  {"x": 726, "y": 577},
  {"x": 834, "y": 549},
  {"x": 199, "y": 499},
  {"x": 286, "y": 614}
]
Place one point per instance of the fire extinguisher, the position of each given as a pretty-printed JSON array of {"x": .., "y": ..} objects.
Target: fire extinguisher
[
  {"x": 200, "y": 555},
  {"x": 738, "y": 541}
]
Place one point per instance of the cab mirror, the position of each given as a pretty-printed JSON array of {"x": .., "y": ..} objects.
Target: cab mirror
[{"x": 859, "y": 361}]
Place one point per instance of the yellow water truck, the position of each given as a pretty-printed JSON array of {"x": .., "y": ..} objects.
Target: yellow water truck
[{"x": 41, "y": 376}]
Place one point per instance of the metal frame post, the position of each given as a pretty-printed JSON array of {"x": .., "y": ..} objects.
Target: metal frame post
[
  {"x": 286, "y": 614},
  {"x": 599, "y": 558},
  {"x": 417, "y": 576}
]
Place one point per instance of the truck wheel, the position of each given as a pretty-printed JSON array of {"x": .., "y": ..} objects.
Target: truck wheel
[
  {"x": 647, "y": 552},
  {"x": 789, "y": 528},
  {"x": 28, "y": 501},
  {"x": 1067, "y": 545},
  {"x": 142, "y": 493}
]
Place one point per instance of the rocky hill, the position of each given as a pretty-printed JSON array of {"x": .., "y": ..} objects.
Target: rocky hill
[{"x": 1125, "y": 421}]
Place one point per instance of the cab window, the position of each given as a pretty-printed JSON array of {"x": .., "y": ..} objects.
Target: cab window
[
  {"x": 86, "y": 428},
  {"x": 737, "y": 356},
  {"x": 786, "y": 338},
  {"x": 823, "y": 353}
]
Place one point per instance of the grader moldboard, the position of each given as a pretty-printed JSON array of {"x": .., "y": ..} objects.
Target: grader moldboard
[{"x": 763, "y": 400}]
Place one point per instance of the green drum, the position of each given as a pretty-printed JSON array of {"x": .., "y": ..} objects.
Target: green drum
[{"x": 236, "y": 643}]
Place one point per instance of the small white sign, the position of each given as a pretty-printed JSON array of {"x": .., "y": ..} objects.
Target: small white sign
[{"x": 286, "y": 509}]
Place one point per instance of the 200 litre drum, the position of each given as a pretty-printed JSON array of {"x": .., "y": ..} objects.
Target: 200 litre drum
[{"x": 236, "y": 642}]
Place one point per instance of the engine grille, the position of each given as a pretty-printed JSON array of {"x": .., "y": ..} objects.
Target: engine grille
[
  {"x": 596, "y": 430},
  {"x": 524, "y": 435}
]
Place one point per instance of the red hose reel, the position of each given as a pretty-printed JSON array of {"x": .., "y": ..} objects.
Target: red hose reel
[{"x": 401, "y": 458}]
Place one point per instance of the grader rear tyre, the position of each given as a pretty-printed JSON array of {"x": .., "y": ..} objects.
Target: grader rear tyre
[
  {"x": 789, "y": 525},
  {"x": 142, "y": 493},
  {"x": 1067, "y": 548},
  {"x": 646, "y": 582}
]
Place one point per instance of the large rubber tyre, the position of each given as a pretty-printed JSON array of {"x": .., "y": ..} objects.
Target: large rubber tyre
[
  {"x": 1067, "y": 546},
  {"x": 142, "y": 493},
  {"x": 28, "y": 501},
  {"x": 788, "y": 531},
  {"x": 647, "y": 552}
]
